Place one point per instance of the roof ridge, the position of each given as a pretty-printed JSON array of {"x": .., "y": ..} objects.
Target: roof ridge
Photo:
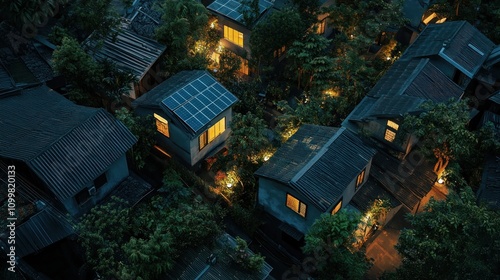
[
  {"x": 320, "y": 153},
  {"x": 420, "y": 66}
]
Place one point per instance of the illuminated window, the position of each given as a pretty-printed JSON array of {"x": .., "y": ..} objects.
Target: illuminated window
[
  {"x": 296, "y": 205},
  {"x": 162, "y": 125},
  {"x": 360, "y": 179},
  {"x": 337, "y": 207},
  {"x": 321, "y": 27},
  {"x": 390, "y": 131},
  {"x": 210, "y": 134},
  {"x": 233, "y": 36},
  {"x": 244, "y": 66}
]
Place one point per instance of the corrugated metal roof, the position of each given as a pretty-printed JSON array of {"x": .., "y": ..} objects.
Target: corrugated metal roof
[
  {"x": 372, "y": 190},
  {"x": 128, "y": 50},
  {"x": 489, "y": 191},
  {"x": 66, "y": 145},
  {"x": 340, "y": 161},
  {"x": 292, "y": 156},
  {"x": 41, "y": 230},
  {"x": 458, "y": 42}
]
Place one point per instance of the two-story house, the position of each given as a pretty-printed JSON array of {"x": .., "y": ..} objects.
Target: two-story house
[
  {"x": 192, "y": 113},
  {"x": 318, "y": 170},
  {"x": 74, "y": 154}
]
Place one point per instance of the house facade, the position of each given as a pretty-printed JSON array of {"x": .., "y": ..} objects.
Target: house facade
[
  {"x": 75, "y": 154},
  {"x": 318, "y": 170},
  {"x": 192, "y": 113}
]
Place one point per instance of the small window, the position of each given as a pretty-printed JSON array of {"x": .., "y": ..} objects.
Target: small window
[
  {"x": 321, "y": 27},
  {"x": 337, "y": 207},
  {"x": 392, "y": 124},
  {"x": 296, "y": 205},
  {"x": 100, "y": 181},
  {"x": 390, "y": 131},
  {"x": 162, "y": 125},
  {"x": 82, "y": 197},
  {"x": 233, "y": 36},
  {"x": 244, "y": 66},
  {"x": 360, "y": 179}
]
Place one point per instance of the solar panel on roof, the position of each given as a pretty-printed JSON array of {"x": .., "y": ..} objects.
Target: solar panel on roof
[
  {"x": 199, "y": 86},
  {"x": 207, "y": 80},
  {"x": 232, "y": 8}
]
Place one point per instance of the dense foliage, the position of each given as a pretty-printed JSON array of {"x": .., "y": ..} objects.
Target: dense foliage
[{"x": 451, "y": 239}]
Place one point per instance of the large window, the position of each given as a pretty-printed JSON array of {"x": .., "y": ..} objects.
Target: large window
[
  {"x": 296, "y": 205},
  {"x": 233, "y": 36},
  {"x": 337, "y": 207},
  {"x": 162, "y": 125},
  {"x": 360, "y": 179},
  {"x": 390, "y": 131},
  {"x": 210, "y": 134}
]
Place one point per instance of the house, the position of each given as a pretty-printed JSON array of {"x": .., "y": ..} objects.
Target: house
[
  {"x": 192, "y": 112},
  {"x": 236, "y": 32},
  {"x": 318, "y": 170},
  {"x": 214, "y": 262},
  {"x": 130, "y": 52},
  {"x": 405, "y": 86},
  {"x": 73, "y": 154}
]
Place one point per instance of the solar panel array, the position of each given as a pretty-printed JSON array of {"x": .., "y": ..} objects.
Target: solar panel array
[
  {"x": 232, "y": 8},
  {"x": 198, "y": 102}
]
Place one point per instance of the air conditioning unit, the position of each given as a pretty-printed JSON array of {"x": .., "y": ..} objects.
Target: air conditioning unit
[{"x": 92, "y": 191}]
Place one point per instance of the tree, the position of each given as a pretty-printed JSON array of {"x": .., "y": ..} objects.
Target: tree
[
  {"x": 444, "y": 134},
  {"x": 29, "y": 14},
  {"x": 229, "y": 65},
  {"x": 143, "y": 129},
  {"x": 309, "y": 59},
  {"x": 451, "y": 239},
  {"x": 92, "y": 16},
  {"x": 330, "y": 241}
]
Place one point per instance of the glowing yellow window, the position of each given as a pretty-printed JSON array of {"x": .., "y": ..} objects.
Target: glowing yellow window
[
  {"x": 392, "y": 125},
  {"x": 233, "y": 36},
  {"x": 162, "y": 125},
  {"x": 389, "y": 135},
  {"x": 337, "y": 207},
  {"x": 321, "y": 26},
  {"x": 210, "y": 134},
  {"x": 296, "y": 205},
  {"x": 244, "y": 66},
  {"x": 360, "y": 179}
]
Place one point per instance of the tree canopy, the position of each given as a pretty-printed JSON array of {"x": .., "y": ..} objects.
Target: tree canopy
[
  {"x": 330, "y": 241},
  {"x": 452, "y": 239}
]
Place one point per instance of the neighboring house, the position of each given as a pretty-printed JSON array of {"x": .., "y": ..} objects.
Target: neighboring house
[
  {"x": 489, "y": 190},
  {"x": 318, "y": 170},
  {"x": 74, "y": 154},
  {"x": 215, "y": 262},
  {"x": 405, "y": 86},
  {"x": 192, "y": 112},
  {"x": 235, "y": 32},
  {"x": 133, "y": 53}
]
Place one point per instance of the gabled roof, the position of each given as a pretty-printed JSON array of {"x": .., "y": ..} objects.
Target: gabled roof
[
  {"x": 457, "y": 42},
  {"x": 193, "y": 97},
  {"x": 66, "y": 145},
  {"x": 233, "y": 8},
  {"x": 489, "y": 191},
  {"x": 326, "y": 170},
  {"x": 128, "y": 50},
  {"x": 41, "y": 230}
]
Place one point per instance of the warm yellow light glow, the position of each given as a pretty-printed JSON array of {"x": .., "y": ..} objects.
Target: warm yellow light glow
[
  {"x": 331, "y": 92},
  {"x": 229, "y": 185},
  {"x": 212, "y": 25},
  {"x": 266, "y": 158},
  {"x": 441, "y": 180},
  {"x": 388, "y": 58}
]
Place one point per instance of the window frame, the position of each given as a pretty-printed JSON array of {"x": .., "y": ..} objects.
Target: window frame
[
  {"x": 360, "y": 179},
  {"x": 209, "y": 135},
  {"x": 300, "y": 206},
  {"x": 234, "y": 36},
  {"x": 162, "y": 125},
  {"x": 337, "y": 207}
]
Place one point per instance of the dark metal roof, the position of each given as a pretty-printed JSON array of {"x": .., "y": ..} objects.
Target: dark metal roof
[
  {"x": 41, "y": 230},
  {"x": 193, "y": 264},
  {"x": 128, "y": 50},
  {"x": 489, "y": 191},
  {"x": 406, "y": 85},
  {"x": 369, "y": 192},
  {"x": 495, "y": 97},
  {"x": 408, "y": 180},
  {"x": 457, "y": 42},
  {"x": 322, "y": 173},
  {"x": 66, "y": 145},
  {"x": 292, "y": 156},
  {"x": 190, "y": 94}
]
